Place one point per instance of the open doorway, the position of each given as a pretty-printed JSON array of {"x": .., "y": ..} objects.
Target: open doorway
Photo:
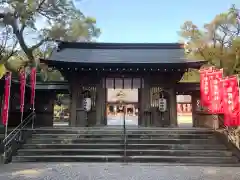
[
  {"x": 116, "y": 114},
  {"x": 61, "y": 110},
  {"x": 184, "y": 111},
  {"x": 122, "y": 105}
]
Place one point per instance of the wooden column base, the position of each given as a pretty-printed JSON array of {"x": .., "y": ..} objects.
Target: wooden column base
[{"x": 206, "y": 120}]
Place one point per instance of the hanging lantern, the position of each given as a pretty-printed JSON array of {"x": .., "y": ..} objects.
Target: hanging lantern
[
  {"x": 87, "y": 101},
  {"x": 162, "y": 102}
]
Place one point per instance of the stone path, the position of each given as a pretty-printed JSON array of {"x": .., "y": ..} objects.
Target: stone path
[{"x": 114, "y": 171}]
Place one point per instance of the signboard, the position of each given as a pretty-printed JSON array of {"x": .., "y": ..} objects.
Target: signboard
[{"x": 124, "y": 95}]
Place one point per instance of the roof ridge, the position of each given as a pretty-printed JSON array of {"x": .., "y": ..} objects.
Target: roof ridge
[{"x": 104, "y": 45}]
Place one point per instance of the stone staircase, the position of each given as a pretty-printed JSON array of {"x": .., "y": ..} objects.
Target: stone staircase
[{"x": 106, "y": 144}]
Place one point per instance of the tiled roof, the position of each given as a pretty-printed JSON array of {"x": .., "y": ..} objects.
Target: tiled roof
[{"x": 119, "y": 53}]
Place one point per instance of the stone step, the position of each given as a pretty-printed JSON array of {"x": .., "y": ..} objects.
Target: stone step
[
  {"x": 129, "y": 152},
  {"x": 150, "y": 135},
  {"x": 105, "y": 144},
  {"x": 184, "y": 159},
  {"x": 119, "y": 158},
  {"x": 68, "y": 158},
  {"x": 120, "y": 130},
  {"x": 130, "y": 146},
  {"x": 75, "y": 140},
  {"x": 129, "y": 127},
  {"x": 129, "y": 141},
  {"x": 64, "y": 136},
  {"x": 172, "y": 136}
]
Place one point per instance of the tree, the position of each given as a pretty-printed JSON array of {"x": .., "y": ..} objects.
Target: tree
[
  {"x": 218, "y": 42},
  {"x": 191, "y": 75},
  {"x": 60, "y": 19},
  {"x": 7, "y": 48}
]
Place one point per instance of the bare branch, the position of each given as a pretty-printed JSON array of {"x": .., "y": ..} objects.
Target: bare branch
[
  {"x": 22, "y": 28},
  {"x": 40, "y": 5},
  {"x": 39, "y": 44}
]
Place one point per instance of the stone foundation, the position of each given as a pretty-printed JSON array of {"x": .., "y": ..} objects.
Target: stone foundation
[{"x": 206, "y": 120}]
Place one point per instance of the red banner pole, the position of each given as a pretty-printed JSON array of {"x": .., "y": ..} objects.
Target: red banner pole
[
  {"x": 215, "y": 89},
  {"x": 225, "y": 101},
  {"x": 238, "y": 118},
  {"x": 207, "y": 77},
  {"x": 22, "y": 91},
  {"x": 218, "y": 96},
  {"x": 205, "y": 88},
  {"x": 231, "y": 101},
  {"x": 33, "y": 87},
  {"x": 7, "y": 94},
  {"x": 236, "y": 102}
]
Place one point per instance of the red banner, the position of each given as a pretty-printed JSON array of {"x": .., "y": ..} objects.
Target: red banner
[
  {"x": 205, "y": 87},
  {"x": 215, "y": 87},
  {"x": 22, "y": 77},
  {"x": 231, "y": 101},
  {"x": 7, "y": 92},
  {"x": 33, "y": 86}
]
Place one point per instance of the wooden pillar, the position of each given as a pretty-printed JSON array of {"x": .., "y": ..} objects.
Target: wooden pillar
[
  {"x": 195, "y": 98},
  {"x": 173, "y": 107},
  {"x": 77, "y": 116},
  {"x": 73, "y": 103},
  {"x": 156, "y": 118},
  {"x": 100, "y": 104},
  {"x": 103, "y": 106},
  {"x": 139, "y": 107},
  {"x": 80, "y": 113},
  {"x": 145, "y": 104}
]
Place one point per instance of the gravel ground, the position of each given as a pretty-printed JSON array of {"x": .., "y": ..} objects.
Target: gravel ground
[{"x": 114, "y": 171}]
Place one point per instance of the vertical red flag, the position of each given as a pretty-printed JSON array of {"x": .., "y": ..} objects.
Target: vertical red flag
[
  {"x": 204, "y": 87},
  {"x": 33, "y": 86},
  {"x": 215, "y": 87},
  {"x": 7, "y": 93},
  {"x": 231, "y": 101},
  {"x": 22, "y": 77}
]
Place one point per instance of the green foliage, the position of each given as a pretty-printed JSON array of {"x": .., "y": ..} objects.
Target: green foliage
[
  {"x": 7, "y": 48},
  {"x": 2, "y": 70},
  {"x": 191, "y": 76},
  {"x": 218, "y": 42},
  {"x": 58, "y": 20},
  {"x": 78, "y": 29}
]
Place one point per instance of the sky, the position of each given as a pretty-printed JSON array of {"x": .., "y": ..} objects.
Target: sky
[{"x": 152, "y": 21}]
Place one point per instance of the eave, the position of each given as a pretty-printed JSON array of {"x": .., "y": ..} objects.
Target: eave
[{"x": 162, "y": 67}]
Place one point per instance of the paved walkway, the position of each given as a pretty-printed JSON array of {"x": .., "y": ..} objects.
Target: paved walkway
[{"x": 114, "y": 171}]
